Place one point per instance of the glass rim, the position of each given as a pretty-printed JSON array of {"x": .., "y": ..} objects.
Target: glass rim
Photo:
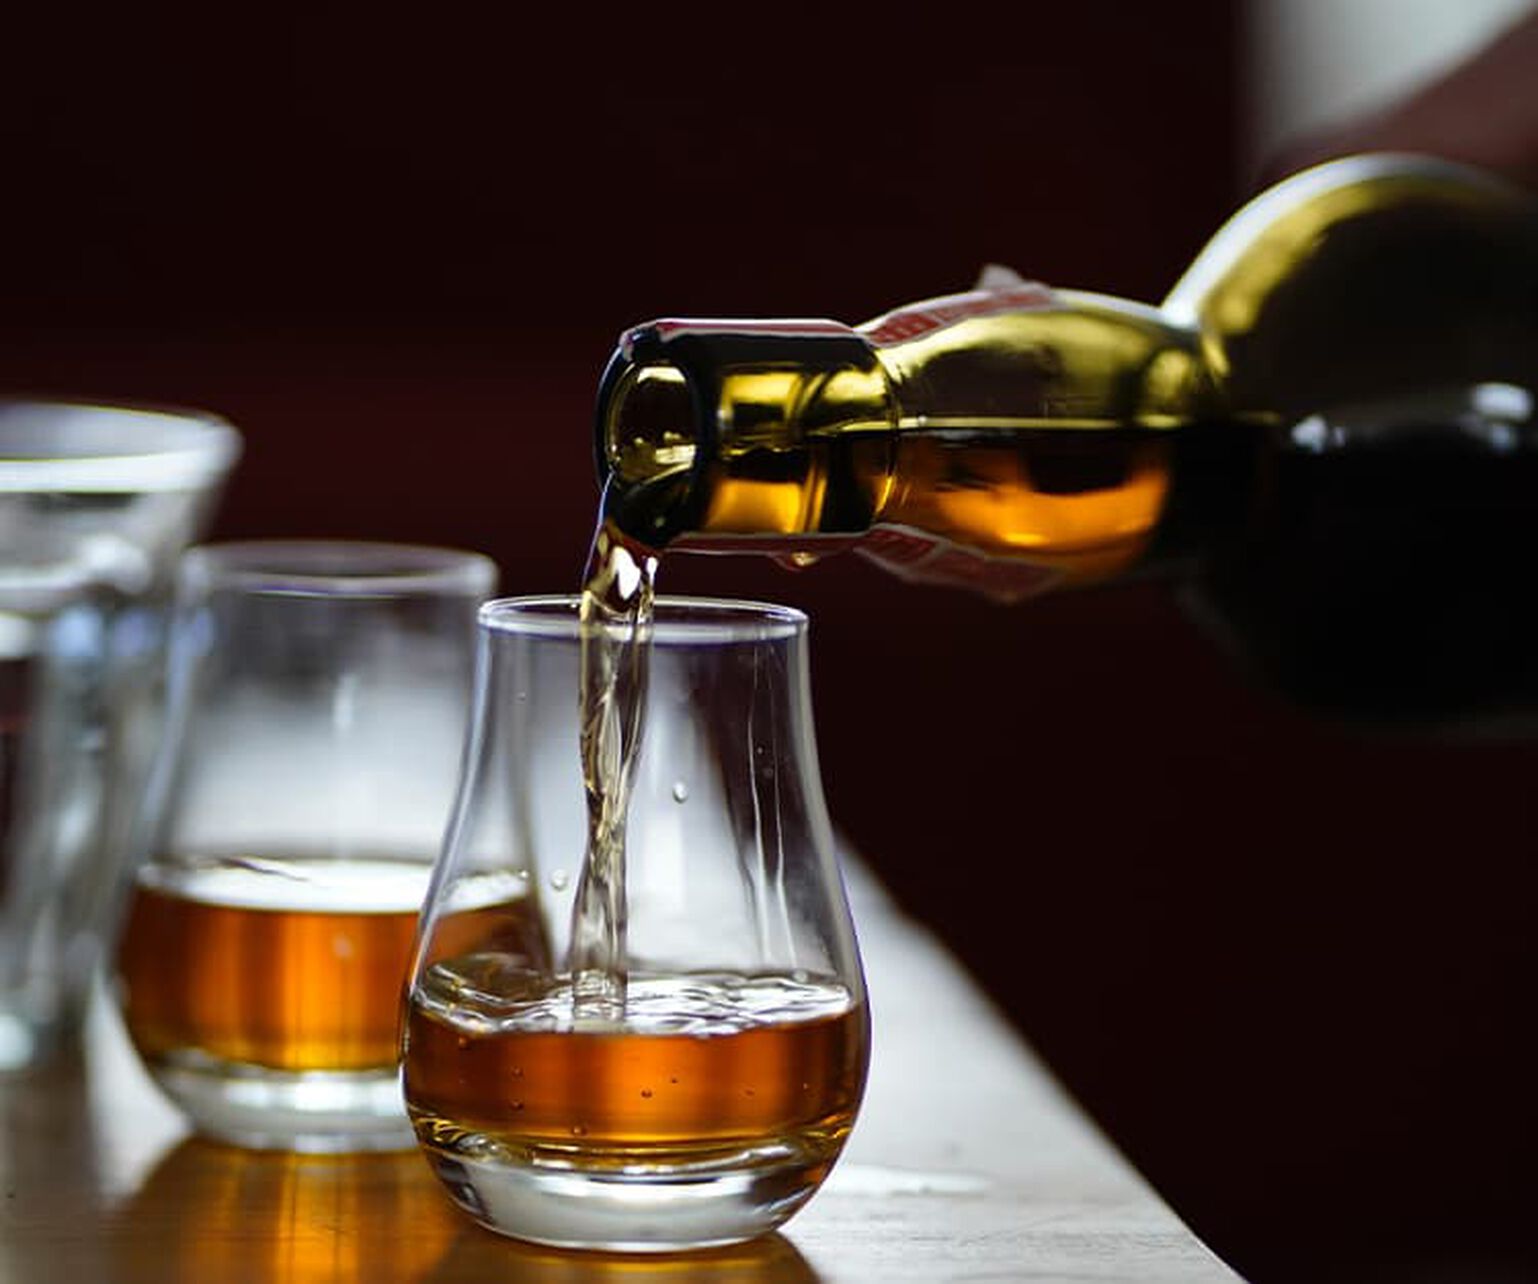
[
  {"x": 676, "y": 620},
  {"x": 53, "y": 443},
  {"x": 337, "y": 568}
]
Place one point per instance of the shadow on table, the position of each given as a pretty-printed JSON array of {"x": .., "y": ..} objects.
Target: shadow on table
[{"x": 213, "y": 1212}]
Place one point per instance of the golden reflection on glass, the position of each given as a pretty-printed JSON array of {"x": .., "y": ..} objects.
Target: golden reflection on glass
[
  {"x": 213, "y": 1212},
  {"x": 480, "y": 1255}
]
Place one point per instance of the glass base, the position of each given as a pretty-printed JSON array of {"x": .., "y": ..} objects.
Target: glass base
[
  {"x": 39, "y": 1024},
  {"x": 26, "y": 1043},
  {"x": 313, "y": 1111},
  {"x": 650, "y": 1208}
]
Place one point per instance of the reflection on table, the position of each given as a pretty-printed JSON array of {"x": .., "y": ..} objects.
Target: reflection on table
[
  {"x": 966, "y": 1161},
  {"x": 366, "y": 1219}
]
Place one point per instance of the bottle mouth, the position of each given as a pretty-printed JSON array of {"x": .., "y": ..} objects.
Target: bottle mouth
[
  {"x": 651, "y": 424},
  {"x": 661, "y": 408},
  {"x": 685, "y": 399}
]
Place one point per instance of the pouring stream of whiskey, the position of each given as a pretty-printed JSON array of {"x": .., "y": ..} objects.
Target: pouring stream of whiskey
[{"x": 614, "y": 628}]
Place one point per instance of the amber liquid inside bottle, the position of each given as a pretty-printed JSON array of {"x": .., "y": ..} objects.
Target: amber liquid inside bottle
[{"x": 1008, "y": 513}]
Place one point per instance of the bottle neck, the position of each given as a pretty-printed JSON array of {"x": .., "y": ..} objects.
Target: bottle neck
[
  {"x": 752, "y": 430},
  {"x": 1031, "y": 429}
]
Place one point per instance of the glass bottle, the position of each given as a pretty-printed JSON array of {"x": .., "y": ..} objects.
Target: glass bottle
[{"x": 1328, "y": 424}]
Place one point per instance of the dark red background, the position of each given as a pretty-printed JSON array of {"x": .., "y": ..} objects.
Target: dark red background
[{"x": 1289, "y": 968}]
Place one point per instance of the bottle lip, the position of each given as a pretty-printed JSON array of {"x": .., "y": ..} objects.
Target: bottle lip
[
  {"x": 677, "y": 621},
  {"x": 337, "y": 568}
]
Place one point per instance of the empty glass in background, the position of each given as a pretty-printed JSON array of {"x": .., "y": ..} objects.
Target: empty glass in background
[
  {"x": 318, "y": 699},
  {"x": 97, "y": 503},
  {"x": 715, "y": 1103}
]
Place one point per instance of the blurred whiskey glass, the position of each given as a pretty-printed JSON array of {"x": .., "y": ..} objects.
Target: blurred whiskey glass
[
  {"x": 97, "y": 502},
  {"x": 317, "y": 708}
]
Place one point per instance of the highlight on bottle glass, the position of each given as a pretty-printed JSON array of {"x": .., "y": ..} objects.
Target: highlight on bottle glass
[
  {"x": 318, "y": 697},
  {"x": 636, "y": 1018}
]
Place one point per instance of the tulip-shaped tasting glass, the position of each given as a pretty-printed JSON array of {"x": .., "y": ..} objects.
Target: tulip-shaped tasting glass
[
  {"x": 319, "y": 694},
  {"x": 710, "y": 1103}
]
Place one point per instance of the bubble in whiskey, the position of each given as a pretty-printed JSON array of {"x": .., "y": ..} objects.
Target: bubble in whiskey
[
  {"x": 680, "y": 792},
  {"x": 559, "y": 879}
]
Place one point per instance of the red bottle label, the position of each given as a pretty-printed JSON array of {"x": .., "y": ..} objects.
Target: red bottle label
[
  {"x": 909, "y": 554},
  {"x": 919, "y": 319},
  {"x": 922, "y": 558}
]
